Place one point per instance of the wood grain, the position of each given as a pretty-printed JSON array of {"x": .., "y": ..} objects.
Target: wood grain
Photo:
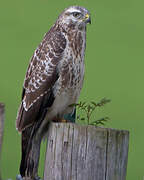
[{"x": 78, "y": 152}]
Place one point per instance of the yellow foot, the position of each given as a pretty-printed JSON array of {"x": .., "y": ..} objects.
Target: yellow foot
[
  {"x": 63, "y": 121},
  {"x": 59, "y": 120}
]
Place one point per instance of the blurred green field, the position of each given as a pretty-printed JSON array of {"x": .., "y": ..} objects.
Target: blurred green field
[{"x": 114, "y": 67}]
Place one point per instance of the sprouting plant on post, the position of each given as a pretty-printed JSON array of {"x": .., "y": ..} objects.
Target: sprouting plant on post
[{"x": 89, "y": 109}]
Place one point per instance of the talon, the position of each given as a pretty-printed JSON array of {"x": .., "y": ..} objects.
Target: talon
[
  {"x": 60, "y": 120},
  {"x": 64, "y": 121}
]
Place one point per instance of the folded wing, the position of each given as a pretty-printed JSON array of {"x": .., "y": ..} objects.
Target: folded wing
[{"x": 40, "y": 78}]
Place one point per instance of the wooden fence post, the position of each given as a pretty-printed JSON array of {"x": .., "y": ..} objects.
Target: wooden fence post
[
  {"x": 78, "y": 152},
  {"x": 1, "y": 127}
]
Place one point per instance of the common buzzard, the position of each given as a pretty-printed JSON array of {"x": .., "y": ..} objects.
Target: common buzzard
[{"x": 52, "y": 83}]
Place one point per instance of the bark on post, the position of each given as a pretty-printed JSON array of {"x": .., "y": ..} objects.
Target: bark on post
[
  {"x": 1, "y": 127},
  {"x": 78, "y": 152}
]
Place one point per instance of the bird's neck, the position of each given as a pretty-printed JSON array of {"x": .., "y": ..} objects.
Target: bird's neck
[
  {"x": 75, "y": 37},
  {"x": 66, "y": 28},
  {"x": 77, "y": 42}
]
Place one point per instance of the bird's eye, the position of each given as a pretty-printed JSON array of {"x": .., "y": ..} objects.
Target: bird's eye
[{"x": 76, "y": 14}]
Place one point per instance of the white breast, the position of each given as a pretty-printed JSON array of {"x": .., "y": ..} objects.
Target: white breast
[{"x": 67, "y": 92}]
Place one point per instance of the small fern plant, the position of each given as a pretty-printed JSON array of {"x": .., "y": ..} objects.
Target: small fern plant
[{"x": 88, "y": 110}]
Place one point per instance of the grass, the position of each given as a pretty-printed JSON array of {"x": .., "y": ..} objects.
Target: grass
[{"x": 114, "y": 64}]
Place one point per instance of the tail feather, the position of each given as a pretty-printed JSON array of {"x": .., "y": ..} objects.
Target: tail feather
[
  {"x": 26, "y": 144},
  {"x": 31, "y": 147},
  {"x": 32, "y": 133}
]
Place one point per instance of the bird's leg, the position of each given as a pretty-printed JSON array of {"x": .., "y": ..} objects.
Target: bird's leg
[
  {"x": 63, "y": 120},
  {"x": 58, "y": 119}
]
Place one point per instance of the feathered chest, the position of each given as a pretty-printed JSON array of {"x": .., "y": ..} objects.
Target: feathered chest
[{"x": 72, "y": 65}]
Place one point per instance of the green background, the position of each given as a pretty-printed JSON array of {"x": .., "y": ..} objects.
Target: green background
[{"x": 114, "y": 67}]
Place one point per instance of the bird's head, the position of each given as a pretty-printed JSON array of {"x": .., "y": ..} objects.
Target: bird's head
[{"x": 75, "y": 17}]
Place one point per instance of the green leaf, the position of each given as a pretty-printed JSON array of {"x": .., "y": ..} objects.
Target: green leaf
[
  {"x": 88, "y": 109},
  {"x": 92, "y": 102}
]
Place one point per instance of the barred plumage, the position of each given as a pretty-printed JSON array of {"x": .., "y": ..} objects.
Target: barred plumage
[{"x": 53, "y": 80}]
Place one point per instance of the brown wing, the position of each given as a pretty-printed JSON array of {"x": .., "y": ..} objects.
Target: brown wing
[{"x": 41, "y": 75}]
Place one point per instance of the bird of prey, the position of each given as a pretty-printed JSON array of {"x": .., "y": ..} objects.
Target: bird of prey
[{"x": 52, "y": 83}]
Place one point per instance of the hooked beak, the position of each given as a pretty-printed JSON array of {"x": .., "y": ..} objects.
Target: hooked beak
[{"x": 87, "y": 18}]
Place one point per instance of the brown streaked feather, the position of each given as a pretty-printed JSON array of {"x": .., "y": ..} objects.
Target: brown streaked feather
[
  {"x": 40, "y": 78},
  {"x": 30, "y": 147},
  {"x": 54, "y": 79},
  {"x": 26, "y": 118}
]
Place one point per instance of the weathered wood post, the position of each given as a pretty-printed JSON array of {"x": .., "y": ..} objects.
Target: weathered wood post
[
  {"x": 78, "y": 152},
  {"x": 1, "y": 127}
]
